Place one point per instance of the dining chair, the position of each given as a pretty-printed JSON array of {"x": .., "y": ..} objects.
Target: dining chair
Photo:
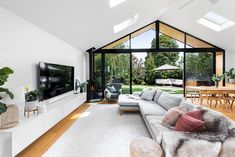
[
  {"x": 192, "y": 94},
  {"x": 216, "y": 96},
  {"x": 229, "y": 99}
]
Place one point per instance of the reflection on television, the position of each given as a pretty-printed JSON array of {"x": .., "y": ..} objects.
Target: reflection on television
[{"x": 55, "y": 79}]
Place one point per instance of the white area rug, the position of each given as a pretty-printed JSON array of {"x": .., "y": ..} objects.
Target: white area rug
[{"x": 101, "y": 132}]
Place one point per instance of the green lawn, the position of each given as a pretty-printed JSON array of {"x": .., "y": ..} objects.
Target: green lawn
[{"x": 139, "y": 88}]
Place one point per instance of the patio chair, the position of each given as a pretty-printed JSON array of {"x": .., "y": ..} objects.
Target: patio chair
[{"x": 111, "y": 94}]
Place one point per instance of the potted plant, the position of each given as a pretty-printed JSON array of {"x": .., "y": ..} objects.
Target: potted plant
[
  {"x": 4, "y": 75},
  {"x": 83, "y": 87},
  {"x": 77, "y": 85},
  {"x": 217, "y": 79},
  {"x": 231, "y": 75},
  {"x": 31, "y": 99}
]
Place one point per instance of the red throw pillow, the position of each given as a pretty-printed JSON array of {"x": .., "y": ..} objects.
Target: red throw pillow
[
  {"x": 196, "y": 114},
  {"x": 189, "y": 124}
]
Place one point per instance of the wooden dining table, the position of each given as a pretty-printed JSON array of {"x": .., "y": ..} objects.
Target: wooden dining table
[
  {"x": 210, "y": 88},
  {"x": 201, "y": 90}
]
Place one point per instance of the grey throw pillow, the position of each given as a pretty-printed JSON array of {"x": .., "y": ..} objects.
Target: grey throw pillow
[
  {"x": 148, "y": 94},
  {"x": 112, "y": 89},
  {"x": 157, "y": 95},
  {"x": 168, "y": 101}
]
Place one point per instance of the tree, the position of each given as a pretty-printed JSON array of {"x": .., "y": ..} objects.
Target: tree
[
  {"x": 138, "y": 71},
  {"x": 150, "y": 74},
  {"x": 117, "y": 68},
  {"x": 199, "y": 66},
  {"x": 161, "y": 58}
]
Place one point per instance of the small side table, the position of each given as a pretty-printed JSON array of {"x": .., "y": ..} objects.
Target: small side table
[
  {"x": 27, "y": 111},
  {"x": 145, "y": 147}
]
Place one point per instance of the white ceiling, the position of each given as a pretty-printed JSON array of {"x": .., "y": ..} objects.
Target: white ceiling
[{"x": 89, "y": 23}]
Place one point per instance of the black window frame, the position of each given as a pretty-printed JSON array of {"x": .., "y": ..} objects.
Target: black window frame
[{"x": 129, "y": 51}]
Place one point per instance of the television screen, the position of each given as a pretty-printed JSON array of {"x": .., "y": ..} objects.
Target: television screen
[{"x": 55, "y": 79}]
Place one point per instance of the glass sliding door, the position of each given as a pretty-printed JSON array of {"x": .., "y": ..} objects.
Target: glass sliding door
[
  {"x": 117, "y": 70},
  {"x": 96, "y": 85},
  {"x": 199, "y": 68},
  {"x": 163, "y": 70}
]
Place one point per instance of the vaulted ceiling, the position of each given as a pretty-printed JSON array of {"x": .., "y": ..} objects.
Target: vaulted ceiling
[{"x": 89, "y": 23}]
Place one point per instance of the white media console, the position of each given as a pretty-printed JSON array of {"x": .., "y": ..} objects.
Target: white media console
[{"x": 16, "y": 139}]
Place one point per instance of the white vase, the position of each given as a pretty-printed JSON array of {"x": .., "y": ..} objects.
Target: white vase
[
  {"x": 31, "y": 105},
  {"x": 232, "y": 81}
]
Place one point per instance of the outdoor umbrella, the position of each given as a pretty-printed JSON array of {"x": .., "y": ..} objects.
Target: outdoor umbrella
[{"x": 166, "y": 67}]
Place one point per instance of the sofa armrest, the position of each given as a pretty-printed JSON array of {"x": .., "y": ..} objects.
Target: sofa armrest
[{"x": 136, "y": 93}]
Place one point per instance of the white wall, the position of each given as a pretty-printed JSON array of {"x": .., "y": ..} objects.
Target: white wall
[
  {"x": 229, "y": 59},
  {"x": 23, "y": 45}
]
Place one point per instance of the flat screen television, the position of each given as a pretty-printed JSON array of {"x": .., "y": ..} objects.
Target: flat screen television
[{"x": 54, "y": 80}]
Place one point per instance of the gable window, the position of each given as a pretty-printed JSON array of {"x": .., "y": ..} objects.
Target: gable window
[
  {"x": 157, "y": 55},
  {"x": 174, "y": 37}
]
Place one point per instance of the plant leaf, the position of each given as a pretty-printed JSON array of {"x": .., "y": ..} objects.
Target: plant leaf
[
  {"x": 3, "y": 108},
  {"x": 5, "y": 90}
]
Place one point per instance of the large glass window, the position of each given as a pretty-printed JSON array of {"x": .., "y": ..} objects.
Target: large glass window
[
  {"x": 174, "y": 38},
  {"x": 144, "y": 38},
  {"x": 158, "y": 69},
  {"x": 123, "y": 43},
  {"x": 96, "y": 86},
  {"x": 117, "y": 70},
  {"x": 151, "y": 68},
  {"x": 193, "y": 42},
  {"x": 199, "y": 68}
]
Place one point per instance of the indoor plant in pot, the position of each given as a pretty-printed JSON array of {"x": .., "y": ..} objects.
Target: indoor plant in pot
[
  {"x": 231, "y": 75},
  {"x": 217, "y": 79},
  {"x": 4, "y": 75},
  {"x": 31, "y": 99}
]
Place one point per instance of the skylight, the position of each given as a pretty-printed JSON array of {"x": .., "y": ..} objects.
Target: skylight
[
  {"x": 217, "y": 19},
  {"x": 114, "y": 3},
  {"x": 125, "y": 24},
  {"x": 215, "y": 22}
]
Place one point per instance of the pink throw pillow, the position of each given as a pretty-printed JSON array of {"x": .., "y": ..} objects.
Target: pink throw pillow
[
  {"x": 171, "y": 116},
  {"x": 196, "y": 114},
  {"x": 189, "y": 124}
]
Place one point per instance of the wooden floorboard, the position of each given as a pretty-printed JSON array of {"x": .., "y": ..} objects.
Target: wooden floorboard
[{"x": 42, "y": 144}]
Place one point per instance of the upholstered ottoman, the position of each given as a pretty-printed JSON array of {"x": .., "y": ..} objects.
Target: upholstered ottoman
[
  {"x": 145, "y": 147},
  {"x": 127, "y": 103}
]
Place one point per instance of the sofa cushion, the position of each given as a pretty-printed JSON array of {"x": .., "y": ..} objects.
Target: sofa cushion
[
  {"x": 156, "y": 127},
  {"x": 157, "y": 95},
  {"x": 151, "y": 108},
  {"x": 171, "y": 116},
  {"x": 148, "y": 94},
  {"x": 189, "y": 124},
  {"x": 168, "y": 101},
  {"x": 125, "y": 100}
]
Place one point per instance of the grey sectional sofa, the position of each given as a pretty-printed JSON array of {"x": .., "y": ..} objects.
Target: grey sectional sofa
[{"x": 153, "y": 112}]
